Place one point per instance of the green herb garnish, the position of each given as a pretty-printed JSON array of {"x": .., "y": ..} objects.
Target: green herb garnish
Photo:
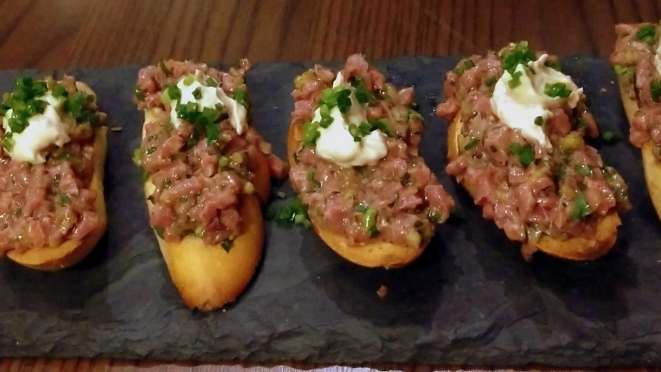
[
  {"x": 471, "y": 143},
  {"x": 164, "y": 68},
  {"x": 359, "y": 131},
  {"x": 491, "y": 82},
  {"x": 556, "y": 90},
  {"x": 581, "y": 208},
  {"x": 293, "y": 213},
  {"x": 8, "y": 142},
  {"x": 516, "y": 80},
  {"x": 369, "y": 222},
  {"x": 583, "y": 170},
  {"x": 646, "y": 34},
  {"x": 240, "y": 97},
  {"x": 211, "y": 82},
  {"x": 159, "y": 231},
  {"x": 310, "y": 133},
  {"x": 362, "y": 94},
  {"x": 516, "y": 54},
  {"x": 383, "y": 125},
  {"x": 539, "y": 120},
  {"x": 656, "y": 90},
  {"x": 63, "y": 199},
  {"x": 527, "y": 156},
  {"x": 60, "y": 91}
]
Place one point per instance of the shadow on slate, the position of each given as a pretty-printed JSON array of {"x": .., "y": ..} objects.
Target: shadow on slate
[{"x": 469, "y": 299}]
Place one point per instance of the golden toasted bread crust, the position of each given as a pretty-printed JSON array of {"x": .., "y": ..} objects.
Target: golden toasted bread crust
[
  {"x": 208, "y": 277},
  {"x": 651, "y": 164},
  {"x": 578, "y": 248},
  {"x": 374, "y": 254},
  {"x": 71, "y": 252}
]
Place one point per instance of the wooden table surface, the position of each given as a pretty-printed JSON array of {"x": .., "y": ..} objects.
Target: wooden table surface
[{"x": 53, "y": 34}]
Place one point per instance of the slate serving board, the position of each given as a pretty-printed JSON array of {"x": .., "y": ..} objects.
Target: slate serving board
[{"x": 470, "y": 298}]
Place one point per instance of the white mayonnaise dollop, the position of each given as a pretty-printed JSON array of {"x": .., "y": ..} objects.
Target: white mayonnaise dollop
[
  {"x": 209, "y": 97},
  {"x": 337, "y": 145},
  {"x": 518, "y": 107},
  {"x": 48, "y": 128}
]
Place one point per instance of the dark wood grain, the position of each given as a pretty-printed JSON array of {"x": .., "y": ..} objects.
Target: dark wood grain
[{"x": 54, "y": 34}]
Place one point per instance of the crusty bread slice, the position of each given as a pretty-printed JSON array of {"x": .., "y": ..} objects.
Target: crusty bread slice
[
  {"x": 208, "y": 277},
  {"x": 578, "y": 248},
  {"x": 374, "y": 254},
  {"x": 71, "y": 252},
  {"x": 651, "y": 165}
]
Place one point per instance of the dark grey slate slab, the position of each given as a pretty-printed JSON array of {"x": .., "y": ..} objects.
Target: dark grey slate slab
[{"x": 470, "y": 299}]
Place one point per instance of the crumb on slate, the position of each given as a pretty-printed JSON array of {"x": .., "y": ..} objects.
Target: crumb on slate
[
  {"x": 115, "y": 129},
  {"x": 383, "y": 291}
]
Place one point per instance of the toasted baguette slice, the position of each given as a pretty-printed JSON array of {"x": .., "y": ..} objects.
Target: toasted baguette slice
[
  {"x": 651, "y": 165},
  {"x": 71, "y": 252},
  {"x": 209, "y": 277},
  {"x": 578, "y": 248},
  {"x": 375, "y": 254}
]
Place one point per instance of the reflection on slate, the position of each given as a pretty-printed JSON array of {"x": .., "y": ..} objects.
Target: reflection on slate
[{"x": 470, "y": 299}]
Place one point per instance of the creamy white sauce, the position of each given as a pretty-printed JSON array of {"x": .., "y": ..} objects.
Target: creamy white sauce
[
  {"x": 337, "y": 145},
  {"x": 518, "y": 107},
  {"x": 48, "y": 128},
  {"x": 209, "y": 97}
]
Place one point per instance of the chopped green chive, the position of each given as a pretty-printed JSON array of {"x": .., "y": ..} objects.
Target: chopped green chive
[
  {"x": 60, "y": 91},
  {"x": 159, "y": 231},
  {"x": 310, "y": 133},
  {"x": 171, "y": 93},
  {"x": 515, "y": 148},
  {"x": 359, "y": 131},
  {"x": 527, "y": 156},
  {"x": 189, "y": 80},
  {"x": 8, "y": 142},
  {"x": 656, "y": 90},
  {"x": 362, "y": 94},
  {"x": 293, "y": 213},
  {"x": 581, "y": 209},
  {"x": 164, "y": 68},
  {"x": 516, "y": 54},
  {"x": 310, "y": 177},
  {"x": 583, "y": 170},
  {"x": 539, "y": 120},
  {"x": 369, "y": 222},
  {"x": 516, "y": 80},
  {"x": 646, "y": 34},
  {"x": 383, "y": 125},
  {"x": 471, "y": 143},
  {"x": 624, "y": 70},
  {"x": 240, "y": 97},
  {"x": 556, "y": 90},
  {"x": 137, "y": 156},
  {"x": 360, "y": 208},
  {"x": 197, "y": 93},
  {"x": 491, "y": 82},
  {"x": 211, "y": 82},
  {"x": 63, "y": 199}
]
